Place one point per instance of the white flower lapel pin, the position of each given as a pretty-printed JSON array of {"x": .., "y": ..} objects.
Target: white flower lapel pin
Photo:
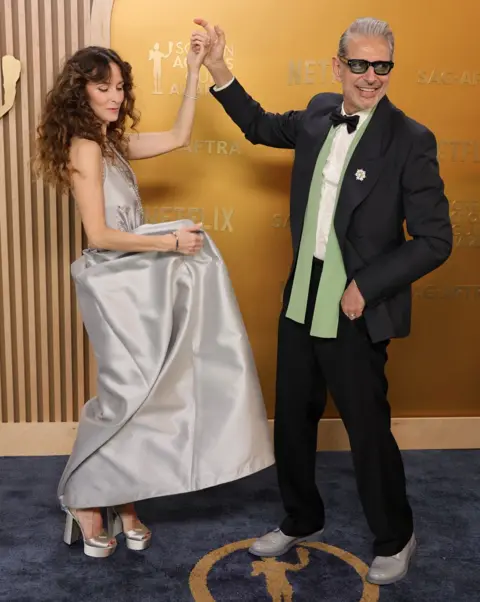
[{"x": 360, "y": 175}]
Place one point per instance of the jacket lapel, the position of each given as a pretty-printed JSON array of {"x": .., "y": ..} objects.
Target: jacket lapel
[{"x": 364, "y": 168}]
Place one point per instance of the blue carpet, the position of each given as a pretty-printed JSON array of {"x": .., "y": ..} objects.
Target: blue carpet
[{"x": 444, "y": 488}]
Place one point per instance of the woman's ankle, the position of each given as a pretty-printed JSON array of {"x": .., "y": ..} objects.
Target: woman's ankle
[
  {"x": 126, "y": 509},
  {"x": 129, "y": 516},
  {"x": 91, "y": 521}
]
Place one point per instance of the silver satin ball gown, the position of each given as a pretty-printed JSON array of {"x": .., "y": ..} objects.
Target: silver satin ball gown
[{"x": 178, "y": 406}]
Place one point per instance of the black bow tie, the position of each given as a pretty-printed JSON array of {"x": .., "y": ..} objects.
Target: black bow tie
[{"x": 351, "y": 120}]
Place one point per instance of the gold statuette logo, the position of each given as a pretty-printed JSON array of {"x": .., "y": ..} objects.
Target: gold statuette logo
[
  {"x": 275, "y": 572},
  {"x": 169, "y": 67}
]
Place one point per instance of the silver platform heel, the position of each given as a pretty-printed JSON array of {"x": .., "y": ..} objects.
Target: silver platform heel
[
  {"x": 100, "y": 546},
  {"x": 136, "y": 539}
]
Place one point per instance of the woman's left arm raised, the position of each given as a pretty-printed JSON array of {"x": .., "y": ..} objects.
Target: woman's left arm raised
[{"x": 146, "y": 145}]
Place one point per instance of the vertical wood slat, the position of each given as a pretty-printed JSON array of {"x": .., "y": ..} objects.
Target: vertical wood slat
[
  {"x": 44, "y": 380},
  {"x": 45, "y": 373},
  {"x": 79, "y": 396},
  {"x": 95, "y": 18},
  {"x": 8, "y": 410},
  {"x": 15, "y": 240},
  {"x": 86, "y": 22},
  {"x": 65, "y": 251},
  {"x": 54, "y": 317},
  {"x": 84, "y": 361},
  {"x": 27, "y": 243}
]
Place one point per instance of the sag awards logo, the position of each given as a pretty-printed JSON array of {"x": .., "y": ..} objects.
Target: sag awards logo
[
  {"x": 275, "y": 574},
  {"x": 465, "y": 216},
  {"x": 169, "y": 71},
  {"x": 169, "y": 60},
  {"x": 439, "y": 76},
  {"x": 10, "y": 74}
]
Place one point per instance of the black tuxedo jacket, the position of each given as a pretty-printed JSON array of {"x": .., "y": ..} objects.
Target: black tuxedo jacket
[{"x": 402, "y": 185}]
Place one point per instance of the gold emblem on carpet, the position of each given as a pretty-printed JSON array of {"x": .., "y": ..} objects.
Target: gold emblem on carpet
[{"x": 275, "y": 571}]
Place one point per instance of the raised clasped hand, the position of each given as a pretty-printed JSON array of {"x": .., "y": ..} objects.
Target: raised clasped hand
[
  {"x": 216, "y": 48},
  {"x": 199, "y": 46}
]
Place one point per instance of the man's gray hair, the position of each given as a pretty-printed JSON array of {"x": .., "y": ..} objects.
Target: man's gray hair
[{"x": 369, "y": 28}]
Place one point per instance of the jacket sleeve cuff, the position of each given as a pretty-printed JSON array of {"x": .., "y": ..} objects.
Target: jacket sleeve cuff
[{"x": 217, "y": 89}]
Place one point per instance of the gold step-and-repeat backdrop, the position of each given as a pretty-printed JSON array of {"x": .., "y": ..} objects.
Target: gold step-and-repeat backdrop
[{"x": 281, "y": 52}]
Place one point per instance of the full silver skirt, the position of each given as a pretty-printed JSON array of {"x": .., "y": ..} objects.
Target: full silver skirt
[{"x": 179, "y": 405}]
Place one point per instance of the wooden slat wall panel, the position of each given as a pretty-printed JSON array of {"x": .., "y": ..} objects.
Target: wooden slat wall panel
[{"x": 47, "y": 369}]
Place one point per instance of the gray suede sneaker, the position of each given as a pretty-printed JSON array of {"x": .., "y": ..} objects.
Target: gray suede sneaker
[
  {"x": 389, "y": 569},
  {"x": 277, "y": 543}
]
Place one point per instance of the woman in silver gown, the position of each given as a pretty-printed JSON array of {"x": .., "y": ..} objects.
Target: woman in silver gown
[{"x": 178, "y": 405}]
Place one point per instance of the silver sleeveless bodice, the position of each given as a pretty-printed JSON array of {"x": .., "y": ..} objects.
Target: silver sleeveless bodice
[{"x": 123, "y": 207}]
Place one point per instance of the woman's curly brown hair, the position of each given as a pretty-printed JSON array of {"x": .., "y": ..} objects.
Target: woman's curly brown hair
[{"x": 67, "y": 113}]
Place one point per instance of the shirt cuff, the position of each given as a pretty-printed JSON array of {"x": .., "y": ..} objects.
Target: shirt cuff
[{"x": 217, "y": 89}]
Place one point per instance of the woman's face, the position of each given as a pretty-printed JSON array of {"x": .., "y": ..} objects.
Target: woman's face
[{"x": 105, "y": 98}]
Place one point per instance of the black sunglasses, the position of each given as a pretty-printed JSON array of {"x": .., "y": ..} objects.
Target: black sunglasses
[{"x": 359, "y": 66}]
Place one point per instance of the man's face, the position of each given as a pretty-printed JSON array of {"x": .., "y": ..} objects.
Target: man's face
[{"x": 362, "y": 91}]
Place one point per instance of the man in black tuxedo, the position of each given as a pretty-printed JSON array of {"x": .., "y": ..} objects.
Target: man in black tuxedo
[{"x": 362, "y": 169}]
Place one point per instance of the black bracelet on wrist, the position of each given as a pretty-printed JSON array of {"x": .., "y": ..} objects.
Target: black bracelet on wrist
[{"x": 176, "y": 240}]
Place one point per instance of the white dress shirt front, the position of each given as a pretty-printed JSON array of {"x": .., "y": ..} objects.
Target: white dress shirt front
[{"x": 331, "y": 178}]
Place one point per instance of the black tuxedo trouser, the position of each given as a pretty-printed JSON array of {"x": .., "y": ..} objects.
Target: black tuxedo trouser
[{"x": 352, "y": 368}]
